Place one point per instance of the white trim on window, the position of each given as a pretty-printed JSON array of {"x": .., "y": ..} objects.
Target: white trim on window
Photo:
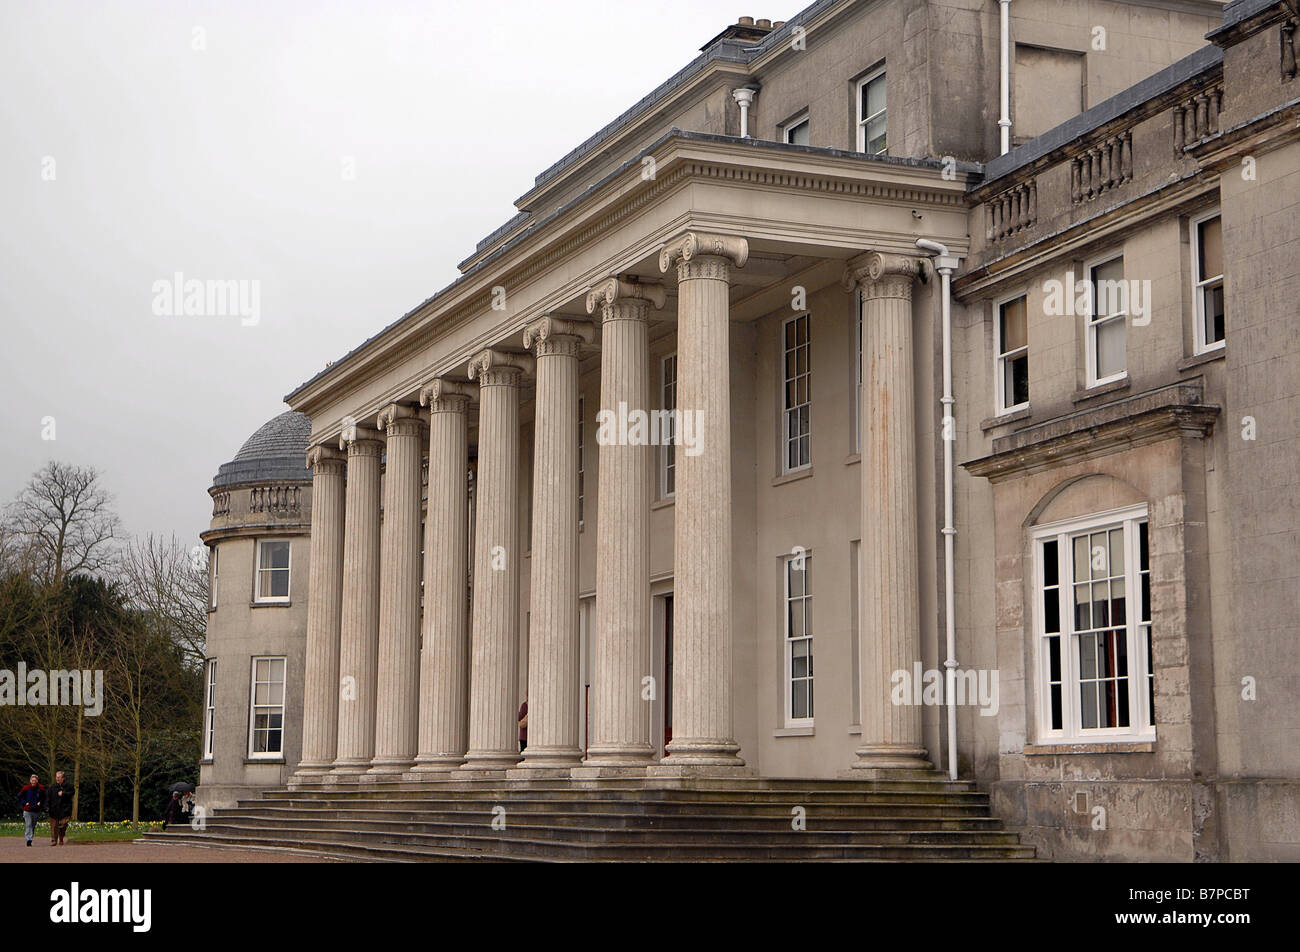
[
  {"x": 1102, "y": 323},
  {"x": 798, "y": 127},
  {"x": 796, "y": 394},
  {"x": 1202, "y": 285},
  {"x": 266, "y": 707},
  {"x": 1000, "y": 403},
  {"x": 274, "y": 574},
  {"x": 864, "y": 122},
  {"x": 797, "y": 645},
  {"x": 212, "y": 577},
  {"x": 668, "y": 402},
  {"x": 210, "y": 709},
  {"x": 1064, "y": 676}
]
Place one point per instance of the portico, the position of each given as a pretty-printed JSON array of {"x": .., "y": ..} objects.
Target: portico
[{"x": 550, "y": 585}]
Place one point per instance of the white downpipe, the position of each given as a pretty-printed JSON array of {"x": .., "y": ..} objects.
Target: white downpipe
[
  {"x": 744, "y": 96},
  {"x": 946, "y": 264},
  {"x": 1005, "y": 121}
]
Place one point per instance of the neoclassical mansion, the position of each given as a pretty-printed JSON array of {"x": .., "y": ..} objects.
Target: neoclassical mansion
[{"x": 910, "y": 385}]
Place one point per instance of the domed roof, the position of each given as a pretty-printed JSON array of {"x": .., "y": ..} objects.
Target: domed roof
[{"x": 276, "y": 452}]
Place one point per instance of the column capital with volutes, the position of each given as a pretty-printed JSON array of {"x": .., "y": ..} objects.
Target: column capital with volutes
[
  {"x": 550, "y": 335},
  {"x": 880, "y": 274},
  {"x": 499, "y": 368},
  {"x": 699, "y": 254}
]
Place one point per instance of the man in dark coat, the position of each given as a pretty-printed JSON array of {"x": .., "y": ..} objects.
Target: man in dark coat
[
  {"x": 60, "y": 807},
  {"x": 32, "y": 800},
  {"x": 173, "y": 812}
]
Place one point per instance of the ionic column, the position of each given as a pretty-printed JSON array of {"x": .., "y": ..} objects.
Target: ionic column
[
  {"x": 553, "y": 641},
  {"x": 620, "y": 721},
  {"x": 703, "y": 733},
  {"x": 359, "y": 638},
  {"x": 493, "y": 707},
  {"x": 399, "y": 594},
  {"x": 889, "y": 586},
  {"x": 320, "y": 703},
  {"x": 444, "y": 662}
]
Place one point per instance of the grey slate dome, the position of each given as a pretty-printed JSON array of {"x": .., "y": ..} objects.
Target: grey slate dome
[{"x": 276, "y": 452}]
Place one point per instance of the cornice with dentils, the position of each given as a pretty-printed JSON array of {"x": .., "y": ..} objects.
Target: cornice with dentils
[{"x": 681, "y": 157}]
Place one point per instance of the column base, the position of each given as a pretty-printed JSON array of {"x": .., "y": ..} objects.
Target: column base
[
  {"x": 308, "y": 775},
  {"x": 348, "y": 770},
  {"x": 550, "y": 758},
  {"x": 667, "y": 770},
  {"x": 631, "y": 755},
  {"x": 538, "y": 772},
  {"x": 891, "y": 757},
  {"x": 435, "y": 764},
  {"x": 386, "y": 770},
  {"x": 488, "y": 762},
  {"x": 702, "y": 752},
  {"x": 597, "y": 771}
]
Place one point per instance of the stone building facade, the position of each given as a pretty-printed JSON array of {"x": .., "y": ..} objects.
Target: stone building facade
[
  {"x": 1094, "y": 347},
  {"x": 259, "y": 570}
]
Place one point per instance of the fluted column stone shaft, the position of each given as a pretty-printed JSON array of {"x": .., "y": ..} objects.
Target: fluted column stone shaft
[
  {"x": 396, "y": 721},
  {"x": 889, "y": 587},
  {"x": 320, "y": 706},
  {"x": 620, "y": 715},
  {"x": 359, "y": 639},
  {"x": 444, "y": 661},
  {"x": 553, "y": 638},
  {"x": 493, "y": 724},
  {"x": 703, "y": 731}
]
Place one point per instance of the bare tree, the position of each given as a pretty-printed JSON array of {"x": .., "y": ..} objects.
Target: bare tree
[
  {"x": 62, "y": 522},
  {"x": 169, "y": 585}
]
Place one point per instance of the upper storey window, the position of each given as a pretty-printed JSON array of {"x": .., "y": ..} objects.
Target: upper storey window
[
  {"x": 272, "y": 571},
  {"x": 795, "y": 132},
  {"x": 1107, "y": 317},
  {"x": 871, "y": 114},
  {"x": 1012, "y": 345},
  {"x": 1207, "y": 259}
]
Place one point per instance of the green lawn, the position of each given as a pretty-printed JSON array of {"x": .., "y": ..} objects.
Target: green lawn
[{"x": 84, "y": 831}]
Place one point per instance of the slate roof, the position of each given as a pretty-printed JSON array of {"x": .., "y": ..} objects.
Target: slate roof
[{"x": 276, "y": 452}]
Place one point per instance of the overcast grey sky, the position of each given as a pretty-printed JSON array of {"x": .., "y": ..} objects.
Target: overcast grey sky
[{"x": 142, "y": 139}]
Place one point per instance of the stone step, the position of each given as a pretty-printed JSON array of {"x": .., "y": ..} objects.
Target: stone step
[
  {"x": 271, "y": 816},
  {"x": 686, "y": 849},
  {"x": 389, "y": 831},
  {"x": 426, "y": 798}
]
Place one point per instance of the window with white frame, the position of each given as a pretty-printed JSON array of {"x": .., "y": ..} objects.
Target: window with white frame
[
  {"x": 1207, "y": 261},
  {"x": 272, "y": 570},
  {"x": 1094, "y": 629},
  {"x": 266, "y": 714},
  {"x": 668, "y": 403},
  {"x": 795, "y": 132},
  {"x": 212, "y": 577},
  {"x": 582, "y": 458},
  {"x": 871, "y": 114},
  {"x": 797, "y": 393},
  {"x": 798, "y": 641},
  {"x": 1011, "y": 344},
  {"x": 1107, "y": 316},
  {"x": 210, "y": 709}
]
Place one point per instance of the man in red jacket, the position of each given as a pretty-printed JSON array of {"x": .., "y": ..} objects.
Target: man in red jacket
[{"x": 32, "y": 799}]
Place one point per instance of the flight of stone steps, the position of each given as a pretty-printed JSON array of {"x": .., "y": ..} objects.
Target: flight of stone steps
[{"x": 620, "y": 820}]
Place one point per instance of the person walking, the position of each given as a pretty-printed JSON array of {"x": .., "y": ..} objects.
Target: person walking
[
  {"x": 60, "y": 807},
  {"x": 523, "y": 725},
  {"x": 173, "y": 812},
  {"x": 32, "y": 799}
]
